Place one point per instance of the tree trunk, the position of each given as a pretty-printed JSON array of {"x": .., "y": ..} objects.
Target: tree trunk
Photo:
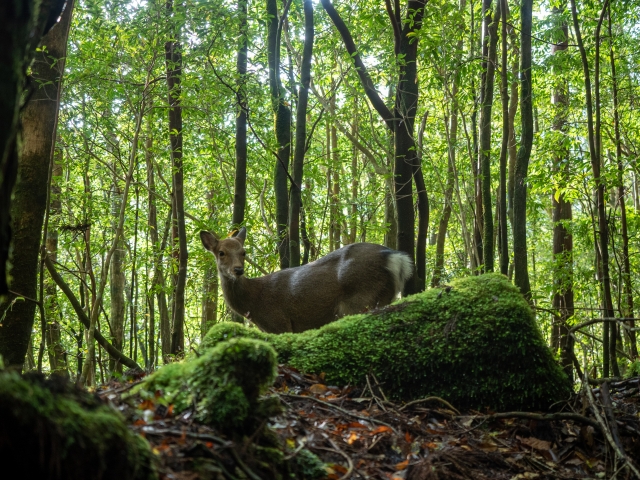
[
  {"x": 503, "y": 240},
  {"x": 562, "y": 301},
  {"x": 626, "y": 309},
  {"x": 594, "y": 153},
  {"x": 116, "y": 281},
  {"x": 23, "y": 25},
  {"x": 282, "y": 123},
  {"x": 240, "y": 187},
  {"x": 401, "y": 120},
  {"x": 521, "y": 273},
  {"x": 490, "y": 31},
  {"x": 39, "y": 123},
  {"x": 57, "y": 354},
  {"x": 301, "y": 138},
  {"x": 173, "y": 54}
]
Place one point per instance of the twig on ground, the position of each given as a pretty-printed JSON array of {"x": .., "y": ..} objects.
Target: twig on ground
[
  {"x": 243, "y": 466},
  {"x": 341, "y": 410},
  {"x": 430, "y": 399},
  {"x": 337, "y": 449},
  {"x": 544, "y": 416},
  {"x": 149, "y": 430}
]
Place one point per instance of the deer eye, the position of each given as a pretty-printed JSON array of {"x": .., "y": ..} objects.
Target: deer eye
[
  {"x": 244, "y": 254},
  {"x": 221, "y": 254}
]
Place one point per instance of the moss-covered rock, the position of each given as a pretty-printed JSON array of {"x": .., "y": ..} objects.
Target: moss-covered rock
[
  {"x": 224, "y": 384},
  {"x": 475, "y": 344},
  {"x": 52, "y": 430}
]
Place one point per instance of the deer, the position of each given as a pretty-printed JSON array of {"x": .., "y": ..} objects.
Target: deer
[{"x": 352, "y": 279}]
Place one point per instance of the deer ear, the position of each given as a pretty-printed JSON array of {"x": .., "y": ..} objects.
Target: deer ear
[
  {"x": 242, "y": 235},
  {"x": 209, "y": 240}
]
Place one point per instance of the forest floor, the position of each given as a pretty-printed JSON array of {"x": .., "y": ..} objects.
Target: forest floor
[{"x": 359, "y": 434}]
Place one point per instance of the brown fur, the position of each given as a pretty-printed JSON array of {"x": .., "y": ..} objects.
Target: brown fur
[{"x": 349, "y": 280}]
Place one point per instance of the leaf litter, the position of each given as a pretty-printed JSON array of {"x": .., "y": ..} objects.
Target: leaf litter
[{"x": 360, "y": 434}]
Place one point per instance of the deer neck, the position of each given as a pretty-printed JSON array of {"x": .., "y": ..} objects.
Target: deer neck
[{"x": 239, "y": 294}]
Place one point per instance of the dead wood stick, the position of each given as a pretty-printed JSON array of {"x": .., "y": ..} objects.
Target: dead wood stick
[
  {"x": 179, "y": 433},
  {"x": 620, "y": 453},
  {"x": 341, "y": 410},
  {"x": 430, "y": 399},
  {"x": 608, "y": 411},
  {"x": 544, "y": 416},
  {"x": 336, "y": 449}
]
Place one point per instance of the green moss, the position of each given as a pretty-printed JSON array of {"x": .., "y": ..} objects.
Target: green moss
[
  {"x": 53, "y": 430},
  {"x": 224, "y": 384},
  {"x": 477, "y": 346}
]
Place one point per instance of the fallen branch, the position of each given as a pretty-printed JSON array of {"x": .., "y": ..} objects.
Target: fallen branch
[
  {"x": 340, "y": 409},
  {"x": 430, "y": 399},
  {"x": 544, "y": 417},
  {"x": 336, "y": 449},
  {"x": 148, "y": 430}
]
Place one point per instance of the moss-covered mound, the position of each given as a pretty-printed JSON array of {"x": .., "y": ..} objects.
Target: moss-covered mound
[
  {"x": 51, "y": 430},
  {"x": 475, "y": 344},
  {"x": 226, "y": 386}
]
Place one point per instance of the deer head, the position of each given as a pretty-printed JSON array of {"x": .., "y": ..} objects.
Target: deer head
[{"x": 229, "y": 253}]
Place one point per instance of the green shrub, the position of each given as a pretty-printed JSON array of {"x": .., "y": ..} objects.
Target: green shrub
[{"x": 476, "y": 345}]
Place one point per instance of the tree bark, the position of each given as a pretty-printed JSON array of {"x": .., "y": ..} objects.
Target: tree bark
[
  {"x": 626, "y": 309},
  {"x": 39, "y": 123},
  {"x": 173, "y": 53},
  {"x": 401, "y": 120},
  {"x": 594, "y": 154},
  {"x": 240, "y": 186},
  {"x": 562, "y": 301},
  {"x": 23, "y": 25},
  {"x": 490, "y": 31},
  {"x": 503, "y": 239},
  {"x": 117, "y": 275},
  {"x": 282, "y": 123},
  {"x": 55, "y": 348},
  {"x": 521, "y": 273},
  {"x": 301, "y": 137}
]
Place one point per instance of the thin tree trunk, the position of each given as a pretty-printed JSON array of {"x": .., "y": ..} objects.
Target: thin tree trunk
[
  {"x": 173, "y": 52},
  {"x": 451, "y": 124},
  {"x": 55, "y": 348},
  {"x": 503, "y": 240},
  {"x": 490, "y": 42},
  {"x": 117, "y": 280},
  {"x": 609, "y": 339},
  {"x": 39, "y": 124},
  {"x": 301, "y": 137},
  {"x": 240, "y": 186},
  {"x": 401, "y": 120},
  {"x": 562, "y": 301},
  {"x": 335, "y": 183},
  {"x": 521, "y": 273},
  {"x": 282, "y": 131},
  {"x": 627, "y": 290}
]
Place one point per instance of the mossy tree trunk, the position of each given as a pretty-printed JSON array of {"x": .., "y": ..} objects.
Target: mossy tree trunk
[{"x": 39, "y": 121}]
